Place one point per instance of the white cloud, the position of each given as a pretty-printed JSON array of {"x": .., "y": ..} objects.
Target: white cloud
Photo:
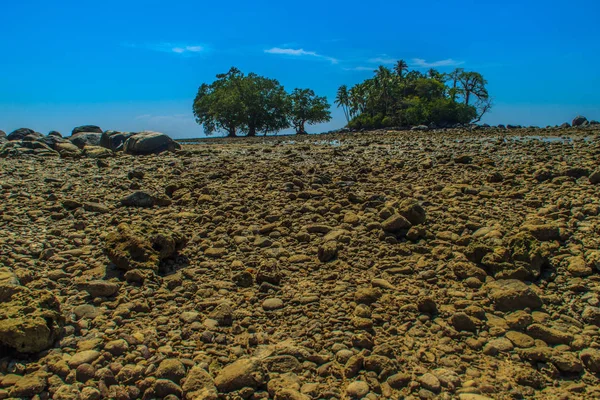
[
  {"x": 177, "y": 48},
  {"x": 360, "y": 68},
  {"x": 300, "y": 53},
  {"x": 382, "y": 60},
  {"x": 166, "y": 47},
  {"x": 421, "y": 63},
  {"x": 168, "y": 118},
  {"x": 194, "y": 49}
]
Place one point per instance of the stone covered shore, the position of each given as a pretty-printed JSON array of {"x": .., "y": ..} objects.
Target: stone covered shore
[{"x": 378, "y": 265}]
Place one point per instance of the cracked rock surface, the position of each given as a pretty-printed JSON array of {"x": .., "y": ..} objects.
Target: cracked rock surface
[{"x": 378, "y": 265}]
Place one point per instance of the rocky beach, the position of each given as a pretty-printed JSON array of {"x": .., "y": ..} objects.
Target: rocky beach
[{"x": 449, "y": 264}]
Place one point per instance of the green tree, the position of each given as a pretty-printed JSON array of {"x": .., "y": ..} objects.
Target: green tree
[
  {"x": 307, "y": 108},
  {"x": 342, "y": 99},
  {"x": 358, "y": 99},
  {"x": 455, "y": 90},
  {"x": 436, "y": 75},
  {"x": 400, "y": 68},
  {"x": 237, "y": 103},
  {"x": 383, "y": 83},
  {"x": 410, "y": 97},
  {"x": 265, "y": 105},
  {"x": 218, "y": 106},
  {"x": 473, "y": 84}
]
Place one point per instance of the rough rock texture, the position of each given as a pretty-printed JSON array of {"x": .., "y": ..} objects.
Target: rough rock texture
[
  {"x": 68, "y": 150},
  {"x": 579, "y": 120},
  {"x": 144, "y": 199},
  {"x": 149, "y": 143},
  {"x": 240, "y": 374},
  {"x": 129, "y": 248},
  {"x": 290, "y": 286},
  {"x": 86, "y": 128},
  {"x": 512, "y": 294},
  {"x": 91, "y": 151},
  {"x": 83, "y": 139},
  {"x": 31, "y": 319},
  {"x": 114, "y": 140},
  {"x": 21, "y": 133}
]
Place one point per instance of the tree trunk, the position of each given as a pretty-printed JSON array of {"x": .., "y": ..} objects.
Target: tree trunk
[
  {"x": 231, "y": 132},
  {"x": 454, "y": 91},
  {"x": 301, "y": 130},
  {"x": 467, "y": 96},
  {"x": 252, "y": 131}
]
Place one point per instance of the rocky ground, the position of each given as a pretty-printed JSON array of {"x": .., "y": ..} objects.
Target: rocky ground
[{"x": 375, "y": 265}]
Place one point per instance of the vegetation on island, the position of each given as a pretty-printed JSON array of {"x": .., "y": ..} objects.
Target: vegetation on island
[
  {"x": 240, "y": 104},
  {"x": 409, "y": 98},
  {"x": 251, "y": 104}
]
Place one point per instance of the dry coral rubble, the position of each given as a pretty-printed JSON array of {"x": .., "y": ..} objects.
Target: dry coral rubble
[{"x": 382, "y": 265}]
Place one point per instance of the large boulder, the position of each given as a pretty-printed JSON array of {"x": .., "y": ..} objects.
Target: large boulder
[
  {"x": 130, "y": 248},
  {"x": 86, "y": 128},
  {"x": 20, "y": 148},
  {"x": 396, "y": 223},
  {"x": 115, "y": 140},
  {"x": 39, "y": 148},
  {"x": 68, "y": 150},
  {"x": 579, "y": 120},
  {"x": 52, "y": 141},
  {"x": 148, "y": 142},
  {"x": 82, "y": 139},
  {"x": 22, "y": 133},
  {"x": 97, "y": 152},
  {"x": 54, "y": 133},
  {"x": 8, "y": 277},
  {"x": 512, "y": 295},
  {"x": 31, "y": 320},
  {"x": 246, "y": 372},
  {"x": 144, "y": 199},
  {"x": 412, "y": 210},
  {"x": 13, "y": 149}
]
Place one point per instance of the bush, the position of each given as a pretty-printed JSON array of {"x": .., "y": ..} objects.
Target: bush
[{"x": 387, "y": 122}]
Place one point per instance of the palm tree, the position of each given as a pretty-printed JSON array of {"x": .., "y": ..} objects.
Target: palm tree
[
  {"x": 401, "y": 67},
  {"x": 435, "y": 74},
  {"x": 383, "y": 80},
  {"x": 342, "y": 100},
  {"x": 357, "y": 99}
]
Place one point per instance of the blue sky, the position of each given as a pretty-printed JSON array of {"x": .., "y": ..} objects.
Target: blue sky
[{"x": 134, "y": 65}]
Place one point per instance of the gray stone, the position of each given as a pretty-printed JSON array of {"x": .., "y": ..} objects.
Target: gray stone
[
  {"x": 591, "y": 359},
  {"x": 99, "y": 288},
  {"x": 149, "y": 143},
  {"x": 83, "y": 139},
  {"x": 272, "y": 304},
  {"x": 512, "y": 294},
  {"x": 86, "y": 128},
  {"x": 115, "y": 140},
  {"x": 357, "y": 390},
  {"x": 145, "y": 199},
  {"x": 246, "y": 372},
  {"x": 579, "y": 120}
]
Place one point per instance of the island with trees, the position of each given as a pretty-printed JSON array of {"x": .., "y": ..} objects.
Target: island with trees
[
  {"x": 239, "y": 104},
  {"x": 403, "y": 98},
  {"x": 251, "y": 104}
]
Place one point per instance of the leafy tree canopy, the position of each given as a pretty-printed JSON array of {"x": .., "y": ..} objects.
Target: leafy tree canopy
[
  {"x": 307, "y": 108},
  {"x": 407, "y": 98},
  {"x": 246, "y": 104}
]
